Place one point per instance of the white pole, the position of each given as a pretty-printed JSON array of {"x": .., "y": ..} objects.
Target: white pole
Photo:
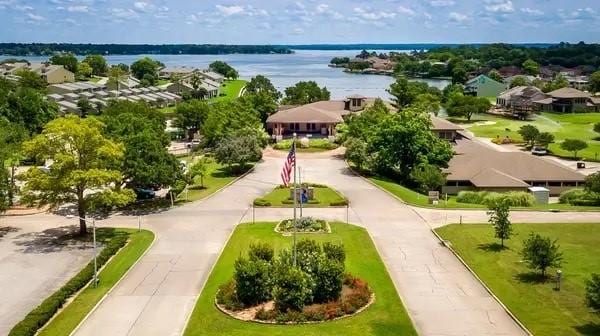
[
  {"x": 295, "y": 196},
  {"x": 95, "y": 262},
  {"x": 139, "y": 223}
]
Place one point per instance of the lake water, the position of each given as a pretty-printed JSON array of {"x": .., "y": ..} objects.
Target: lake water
[{"x": 285, "y": 70}]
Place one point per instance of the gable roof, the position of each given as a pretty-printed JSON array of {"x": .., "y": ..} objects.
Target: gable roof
[
  {"x": 440, "y": 124},
  {"x": 569, "y": 93},
  {"x": 318, "y": 112}
]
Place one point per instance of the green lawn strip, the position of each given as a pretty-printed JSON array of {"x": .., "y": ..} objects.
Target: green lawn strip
[
  {"x": 70, "y": 316},
  {"x": 417, "y": 199},
  {"x": 385, "y": 317},
  {"x": 542, "y": 309},
  {"x": 216, "y": 178},
  {"x": 162, "y": 82},
  {"x": 563, "y": 126},
  {"x": 324, "y": 197},
  {"x": 230, "y": 89},
  {"x": 314, "y": 146}
]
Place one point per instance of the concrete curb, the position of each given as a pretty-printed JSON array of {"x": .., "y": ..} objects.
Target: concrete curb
[
  {"x": 116, "y": 284},
  {"x": 512, "y": 316}
]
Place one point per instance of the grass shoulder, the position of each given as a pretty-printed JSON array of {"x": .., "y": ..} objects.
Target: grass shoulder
[
  {"x": 556, "y": 312},
  {"x": 386, "y": 316},
  {"x": 230, "y": 89}
]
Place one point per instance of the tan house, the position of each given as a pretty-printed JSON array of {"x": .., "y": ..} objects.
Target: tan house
[
  {"x": 52, "y": 74},
  {"x": 519, "y": 100},
  {"x": 478, "y": 167},
  {"x": 567, "y": 100},
  {"x": 318, "y": 118}
]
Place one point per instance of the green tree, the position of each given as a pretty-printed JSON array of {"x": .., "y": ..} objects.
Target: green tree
[
  {"x": 68, "y": 60},
  {"x": 141, "y": 128},
  {"x": 499, "y": 218},
  {"x": 597, "y": 127},
  {"x": 592, "y": 183},
  {"x": 452, "y": 90},
  {"x": 85, "y": 107},
  {"x": 429, "y": 177},
  {"x": 592, "y": 292},
  {"x": 199, "y": 169},
  {"x": 253, "y": 281},
  {"x": 595, "y": 82},
  {"x": 262, "y": 102},
  {"x": 238, "y": 150},
  {"x": 262, "y": 85},
  {"x": 405, "y": 92},
  {"x": 495, "y": 75},
  {"x": 80, "y": 172},
  {"x": 459, "y": 75},
  {"x": 116, "y": 75},
  {"x": 11, "y": 138},
  {"x": 4, "y": 187},
  {"x": 305, "y": 93},
  {"x": 559, "y": 82},
  {"x": 573, "y": 146},
  {"x": 541, "y": 252},
  {"x": 544, "y": 139},
  {"x": 146, "y": 68},
  {"x": 84, "y": 70},
  {"x": 98, "y": 64},
  {"x": 26, "y": 107},
  {"x": 428, "y": 102},
  {"x": 518, "y": 81},
  {"x": 292, "y": 289},
  {"x": 190, "y": 116},
  {"x": 529, "y": 133},
  {"x": 467, "y": 106},
  {"x": 30, "y": 79},
  {"x": 356, "y": 152},
  {"x": 531, "y": 67},
  {"x": 228, "y": 117},
  {"x": 224, "y": 69}
]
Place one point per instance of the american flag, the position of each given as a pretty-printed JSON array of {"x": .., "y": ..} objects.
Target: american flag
[{"x": 290, "y": 161}]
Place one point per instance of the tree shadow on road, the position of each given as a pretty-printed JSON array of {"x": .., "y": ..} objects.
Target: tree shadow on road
[
  {"x": 64, "y": 238},
  {"x": 7, "y": 229},
  {"x": 492, "y": 247},
  {"x": 588, "y": 329}
]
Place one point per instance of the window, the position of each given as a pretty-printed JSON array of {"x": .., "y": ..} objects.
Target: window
[
  {"x": 569, "y": 184},
  {"x": 554, "y": 184},
  {"x": 463, "y": 183}
]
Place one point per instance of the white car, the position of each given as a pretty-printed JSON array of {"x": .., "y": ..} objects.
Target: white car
[{"x": 539, "y": 151}]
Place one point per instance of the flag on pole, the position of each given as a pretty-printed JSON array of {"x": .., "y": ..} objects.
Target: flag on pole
[{"x": 290, "y": 162}]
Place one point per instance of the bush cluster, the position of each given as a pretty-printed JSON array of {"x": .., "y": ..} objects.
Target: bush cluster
[
  {"x": 261, "y": 202},
  {"x": 313, "y": 143},
  {"x": 578, "y": 197},
  {"x": 511, "y": 198},
  {"x": 40, "y": 315},
  {"x": 343, "y": 202},
  {"x": 317, "y": 278},
  {"x": 303, "y": 224}
]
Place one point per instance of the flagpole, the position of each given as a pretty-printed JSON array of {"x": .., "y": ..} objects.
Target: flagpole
[
  {"x": 295, "y": 195},
  {"x": 302, "y": 189}
]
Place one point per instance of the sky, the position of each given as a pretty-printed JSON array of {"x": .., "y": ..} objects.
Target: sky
[{"x": 299, "y": 22}]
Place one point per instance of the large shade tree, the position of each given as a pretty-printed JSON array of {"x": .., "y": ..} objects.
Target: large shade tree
[
  {"x": 25, "y": 106},
  {"x": 190, "y": 116},
  {"x": 305, "y": 93},
  {"x": 81, "y": 171}
]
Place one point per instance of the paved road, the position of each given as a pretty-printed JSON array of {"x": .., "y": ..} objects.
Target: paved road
[{"x": 34, "y": 263}]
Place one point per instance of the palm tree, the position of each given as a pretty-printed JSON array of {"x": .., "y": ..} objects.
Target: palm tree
[{"x": 116, "y": 75}]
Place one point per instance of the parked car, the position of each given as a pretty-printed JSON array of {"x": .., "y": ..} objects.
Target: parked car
[
  {"x": 539, "y": 151},
  {"x": 144, "y": 193}
]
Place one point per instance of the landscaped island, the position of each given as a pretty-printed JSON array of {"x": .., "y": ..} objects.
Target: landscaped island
[
  {"x": 385, "y": 316},
  {"x": 316, "y": 196}
]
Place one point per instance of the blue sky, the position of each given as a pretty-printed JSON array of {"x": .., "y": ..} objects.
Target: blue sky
[{"x": 296, "y": 22}]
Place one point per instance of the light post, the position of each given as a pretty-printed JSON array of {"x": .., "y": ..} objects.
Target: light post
[
  {"x": 95, "y": 280},
  {"x": 558, "y": 279}
]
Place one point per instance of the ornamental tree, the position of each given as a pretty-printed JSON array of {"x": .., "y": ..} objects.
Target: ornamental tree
[
  {"x": 592, "y": 293},
  {"x": 499, "y": 218},
  {"x": 81, "y": 170},
  {"x": 541, "y": 252},
  {"x": 529, "y": 133},
  {"x": 573, "y": 146}
]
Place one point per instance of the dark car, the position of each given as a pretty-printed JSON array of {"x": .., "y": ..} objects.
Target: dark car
[{"x": 144, "y": 193}]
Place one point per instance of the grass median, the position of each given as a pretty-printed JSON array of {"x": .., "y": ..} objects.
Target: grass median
[
  {"x": 386, "y": 316},
  {"x": 324, "y": 196}
]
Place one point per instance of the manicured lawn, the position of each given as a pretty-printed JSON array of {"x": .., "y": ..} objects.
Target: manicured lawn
[
  {"x": 94, "y": 79},
  {"x": 314, "y": 146},
  {"x": 324, "y": 197},
  {"x": 385, "y": 317},
  {"x": 217, "y": 177},
  {"x": 563, "y": 126},
  {"x": 71, "y": 315},
  {"x": 542, "y": 309},
  {"x": 231, "y": 90},
  {"x": 417, "y": 199}
]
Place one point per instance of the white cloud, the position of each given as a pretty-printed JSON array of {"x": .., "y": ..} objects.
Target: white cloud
[
  {"x": 406, "y": 11},
  {"x": 322, "y": 8},
  {"x": 499, "y": 6},
  {"x": 532, "y": 11},
  {"x": 442, "y": 3},
  {"x": 35, "y": 17},
  {"x": 143, "y": 6},
  {"x": 230, "y": 10},
  {"x": 78, "y": 9},
  {"x": 579, "y": 14},
  {"x": 373, "y": 16},
  {"x": 298, "y": 31},
  {"x": 121, "y": 13},
  {"x": 457, "y": 17},
  {"x": 23, "y": 8}
]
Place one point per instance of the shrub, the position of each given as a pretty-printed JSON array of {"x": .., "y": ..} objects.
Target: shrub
[
  {"x": 265, "y": 315},
  {"x": 592, "y": 292},
  {"x": 253, "y": 282},
  {"x": 343, "y": 202},
  {"x": 329, "y": 278},
  {"x": 305, "y": 224},
  {"x": 261, "y": 251},
  {"x": 511, "y": 198},
  {"x": 471, "y": 197},
  {"x": 541, "y": 253},
  {"x": 573, "y": 196},
  {"x": 334, "y": 251},
  {"x": 261, "y": 202},
  {"x": 40, "y": 315},
  {"x": 228, "y": 298},
  {"x": 292, "y": 290}
]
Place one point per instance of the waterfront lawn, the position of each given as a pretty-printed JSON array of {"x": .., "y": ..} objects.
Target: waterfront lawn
[
  {"x": 324, "y": 197},
  {"x": 72, "y": 314},
  {"x": 542, "y": 309},
  {"x": 230, "y": 89},
  {"x": 563, "y": 126},
  {"x": 417, "y": 199},
  {"x": 217, "y": 177},
  {"x": 386, "y": 316}
]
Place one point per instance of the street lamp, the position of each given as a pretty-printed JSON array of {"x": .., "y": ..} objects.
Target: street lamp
[{"x": 95, "y": 280}]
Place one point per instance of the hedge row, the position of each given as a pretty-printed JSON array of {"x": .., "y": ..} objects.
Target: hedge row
[
  {"x": 512, "y": 198},
  {"x": 40, "y": 315},
  {"x": 578, "y": 197}
]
